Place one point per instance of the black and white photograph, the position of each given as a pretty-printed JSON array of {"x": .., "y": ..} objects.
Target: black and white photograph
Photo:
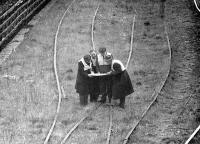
[{"x": 99, "y": 71}]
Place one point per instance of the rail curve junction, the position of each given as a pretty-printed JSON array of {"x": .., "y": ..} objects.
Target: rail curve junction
[
  {"x": 59, "y": 88},
  {"x": 155, "y": 94},
  {"x": 56, "y": 75},
  {"x": 109, "y": 132},
  {"x": 198, "y": 128}
]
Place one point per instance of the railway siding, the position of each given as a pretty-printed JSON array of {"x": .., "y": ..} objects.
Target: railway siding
[
  {"x": 164, "y": 123},
  {"x": 29, "y": 104}
]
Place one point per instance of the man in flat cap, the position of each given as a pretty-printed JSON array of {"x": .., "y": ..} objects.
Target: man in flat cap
[
  {"x": 82, "y": 80},
  {"x": 104, "y": 63}
]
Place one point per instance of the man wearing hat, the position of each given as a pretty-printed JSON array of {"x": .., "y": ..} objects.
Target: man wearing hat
[
  {"x": 104, "y": 62},
  {"x": 82, "y": 80}
]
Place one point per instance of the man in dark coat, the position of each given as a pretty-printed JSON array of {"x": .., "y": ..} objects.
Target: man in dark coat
[
  {"x": 94, "y": 81},
  {"x": 121, "y": 83},
  {"x": 82, "y": 80}
]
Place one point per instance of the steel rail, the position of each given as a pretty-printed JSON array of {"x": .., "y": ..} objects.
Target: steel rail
[
  {"x": 92, "y": 32},
  {"x": 196, "y": 5},
  {"x": 72, "y": 129},
  {"x": 192, "y": 135},
  {"x": 78, "y": 123},
  {"x": 127, "y": 63},
  {"x": 156, "y": 93},
  {"x": 20, "y": 22},
  {"x": 110, "y": 125},
  {"x": 110, "y": 108},
  {"x": 10, "y": 9},
  {"x": 131, "y": 47},
  {"x": 56, "y": 75},
  {"x": 83, "y": 118},
  {"x": 184, "y": 106}
]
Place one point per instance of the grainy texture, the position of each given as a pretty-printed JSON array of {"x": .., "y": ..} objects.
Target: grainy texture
[
  {"x": 170, "y": 120},
  {"x": 6, "y": 4},
  {"x": 28, "y": 95}
]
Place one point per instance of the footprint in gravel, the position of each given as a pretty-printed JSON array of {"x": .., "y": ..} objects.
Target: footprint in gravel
[
  {"x": 92, "y": 128},
  {"x": 138, "y": 83},
  {"x": 171, "y": 141},
  {"x": 89, "y": 118},
  {"x": 67, "y": 122},
  {"x": 69, "y": 71},
  {"x": 166, "y": 52}
]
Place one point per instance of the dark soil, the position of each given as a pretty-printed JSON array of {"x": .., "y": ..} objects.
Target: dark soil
[{"x": 6, "y": 4}]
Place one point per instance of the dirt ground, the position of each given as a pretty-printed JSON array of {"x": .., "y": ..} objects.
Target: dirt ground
[{"x": 29, "y": 96}]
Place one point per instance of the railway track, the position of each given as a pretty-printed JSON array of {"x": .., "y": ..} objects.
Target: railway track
[
  {"x": 25, "y": 10},
  {"x": 56, "y": 75},
  {"x": 59, "y": 88},
  {"x": 109, "y": 131},
  {"x": 155, "y": 94},
  {"x": 109, "y": 128},
  {"x": 16, "y": 16},
  {"x": 196, "y": 5}
]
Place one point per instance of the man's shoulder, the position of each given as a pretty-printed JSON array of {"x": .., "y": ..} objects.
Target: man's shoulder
[
  {"x": 80, "y": 63},
  {"x": 109, "y": 53}
]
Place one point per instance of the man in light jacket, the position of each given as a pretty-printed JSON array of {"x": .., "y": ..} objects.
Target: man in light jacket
[{"x": 105, "y": 82}]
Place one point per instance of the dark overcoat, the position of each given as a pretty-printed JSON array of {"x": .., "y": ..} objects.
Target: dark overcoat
[
  {"x": 82, "y": 80},
  {"x": 94, "y": 81},
  {"x": 121, "y": 85}
]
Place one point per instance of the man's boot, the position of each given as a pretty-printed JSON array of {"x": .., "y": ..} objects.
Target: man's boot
[
  {"x": 103, "y": 98},
  {"x": 122, "y": 102}
]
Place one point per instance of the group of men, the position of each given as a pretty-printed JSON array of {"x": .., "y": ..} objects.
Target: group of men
[{"x": 101, "y": 75}]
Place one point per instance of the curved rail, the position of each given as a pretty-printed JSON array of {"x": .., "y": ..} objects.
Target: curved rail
[
  {"x": 131, "y": 47},
  {"x": 110, "y": 125},
  {"x": 77, "y": 124},
  {"x": 72, "y": 129},
  {"x": 92, "y": 32},
  {"x": 82, "y": 119},
  {"x": 155, "y": 94},
  {"x": 192, "y": 135},
  {"x": 195, "y": 2},
  {"x": 56, "y": 75},
  {"x": 127, "y": 63}
]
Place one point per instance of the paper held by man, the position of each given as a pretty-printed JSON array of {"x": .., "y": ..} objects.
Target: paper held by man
[{"x": 98, "y": 74}]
